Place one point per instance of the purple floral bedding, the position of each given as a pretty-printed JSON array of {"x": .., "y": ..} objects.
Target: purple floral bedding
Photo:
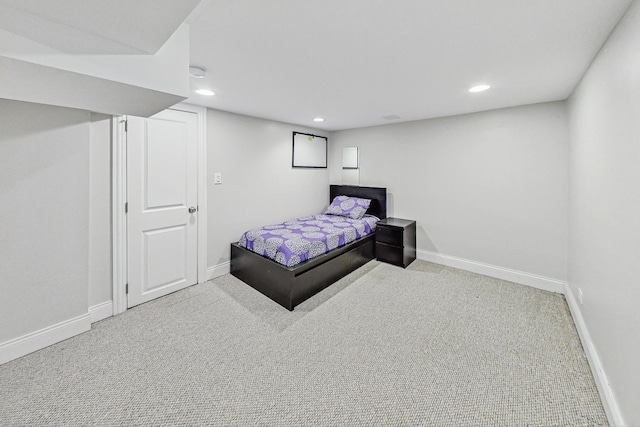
[{"x": 293, "y": 242}]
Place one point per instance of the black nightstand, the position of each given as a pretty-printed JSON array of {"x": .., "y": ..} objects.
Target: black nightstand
[{"x": 396, "y": 241}]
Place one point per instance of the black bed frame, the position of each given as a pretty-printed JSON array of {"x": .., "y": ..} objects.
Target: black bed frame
[{"x": 290, "y": 286}]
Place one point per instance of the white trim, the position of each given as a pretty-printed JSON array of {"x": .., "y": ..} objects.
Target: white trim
[
  {"x": 119, "y": 226},
  {"x": 201, "y": 113},
  {"x": 218, "y": 270},
  {"x": 38, "y": 340},
  {"x": 119, "y": 258},
  {"x": 101, "y": 311},
  {"x": 516, "y": 276},
  {"x": 602, "y": 383}
]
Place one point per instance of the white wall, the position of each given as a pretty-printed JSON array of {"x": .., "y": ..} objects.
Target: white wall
[
  {"x": 44, "y": 220},
  {"x": 487, "y": 187},
  {"x": 259, "y": 186},
  {"x": 604, "y": 208},
  {"x": 100, "y": 210}
]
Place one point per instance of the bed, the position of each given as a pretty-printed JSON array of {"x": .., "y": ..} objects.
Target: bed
[{"x": 289, "y": 286}]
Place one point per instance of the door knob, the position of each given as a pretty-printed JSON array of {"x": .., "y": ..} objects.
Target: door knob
[{"x": 192, "y": 209}]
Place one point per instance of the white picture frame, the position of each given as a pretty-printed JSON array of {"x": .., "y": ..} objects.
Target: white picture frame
[
  {"x": 350, "y": 158},
  {"x": 309, "y": 151}
]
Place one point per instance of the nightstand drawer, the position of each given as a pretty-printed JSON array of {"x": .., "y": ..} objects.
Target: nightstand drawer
[
  {"x": 390, "y": 254},
  {"x": 389, "y": 235}
]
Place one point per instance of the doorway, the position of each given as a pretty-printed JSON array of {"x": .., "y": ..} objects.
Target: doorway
[{"x": 159, "y": 219}]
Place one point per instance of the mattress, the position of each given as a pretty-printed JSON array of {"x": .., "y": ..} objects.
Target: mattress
[{"x": 296, "y": 241}]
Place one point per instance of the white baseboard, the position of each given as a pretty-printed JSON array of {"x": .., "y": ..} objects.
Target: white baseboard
[
  {"x": 602, "y": 383},
  {"x": 520, "y": 277},
  {"x": 101, "y": 311},
  {"x": 37, "y": 340},
  {"x": 218, "y": 270}
]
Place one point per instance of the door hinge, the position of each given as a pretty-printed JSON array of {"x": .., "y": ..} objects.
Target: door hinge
[
  {"x": 126, "y": 207},
  {"x": 126, "y": 289}
]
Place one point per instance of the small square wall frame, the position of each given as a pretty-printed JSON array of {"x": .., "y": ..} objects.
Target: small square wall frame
[{"x": 309, "y": 151}]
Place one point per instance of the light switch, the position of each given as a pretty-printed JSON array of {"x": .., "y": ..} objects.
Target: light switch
[{"x": 217, "y": 178}]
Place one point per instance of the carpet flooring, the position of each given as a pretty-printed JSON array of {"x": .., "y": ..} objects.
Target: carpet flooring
[{"x": 429, "y": 345}]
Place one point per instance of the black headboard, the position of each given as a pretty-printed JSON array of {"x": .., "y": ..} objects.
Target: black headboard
[{"x": 377, "y": 195}]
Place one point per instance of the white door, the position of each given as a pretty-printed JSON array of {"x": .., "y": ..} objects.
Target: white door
[{"x": 162, "y": 196}]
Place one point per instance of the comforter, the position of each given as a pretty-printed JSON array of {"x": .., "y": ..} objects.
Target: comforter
[{"x": 293, "y": 242}]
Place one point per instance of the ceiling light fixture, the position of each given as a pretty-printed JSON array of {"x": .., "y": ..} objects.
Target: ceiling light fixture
[
  {"x": 318, "y": 119},
  {"x": 479, "y": 88},
  {"x": 205, "y": 92},
  {"x": 197, "y": 72}
]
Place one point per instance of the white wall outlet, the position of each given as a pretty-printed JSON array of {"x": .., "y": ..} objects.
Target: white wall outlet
[
  {"x": 217, "y": 178},
  {"x": 580, "y": 296}
]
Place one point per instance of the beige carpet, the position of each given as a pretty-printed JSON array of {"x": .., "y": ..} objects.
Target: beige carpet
[{"x": 429, "y": 345}]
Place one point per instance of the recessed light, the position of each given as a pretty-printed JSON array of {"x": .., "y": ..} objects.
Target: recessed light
[
  {"x": 479, "y": 88},
  {"x": 318, "y": 119},
  {"x": 205, "y": 92}
]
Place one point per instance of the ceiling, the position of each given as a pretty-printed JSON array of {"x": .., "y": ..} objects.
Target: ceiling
[
  {"x": 353, "y": 62},
  {"x": 96, "y": 26},
  {"x": 107, "y": 56}
]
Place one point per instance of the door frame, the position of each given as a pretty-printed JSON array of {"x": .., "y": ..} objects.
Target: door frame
[{"x": 119, "y": 199}]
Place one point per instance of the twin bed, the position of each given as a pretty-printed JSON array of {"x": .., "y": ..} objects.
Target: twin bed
[{"x": 289, "y": 284}]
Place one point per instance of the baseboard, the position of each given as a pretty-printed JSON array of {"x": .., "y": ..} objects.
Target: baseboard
[
  {"x": 218, "y": 270},
  {"x": 602, "y": 383},
  {"x": 520, "y": 277},
  {"x": 101, "y": 311},
  {"x": 38, "y": 340}
]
